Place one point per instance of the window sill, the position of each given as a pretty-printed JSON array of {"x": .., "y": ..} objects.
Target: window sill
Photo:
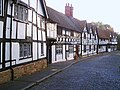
[
  {"x": 22, "y": 58},
  {"x": 15, "y": 19},
  {"x": 42, "y": 54}
]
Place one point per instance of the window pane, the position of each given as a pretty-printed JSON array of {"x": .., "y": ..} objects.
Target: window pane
[
  {"x": 25, "y": 50},
  {"x": 21, "y": 12},
  {"x": 42, "y": 48},
  {"x": 0, "y": 7},
  {"x": 21, "y": 50}
]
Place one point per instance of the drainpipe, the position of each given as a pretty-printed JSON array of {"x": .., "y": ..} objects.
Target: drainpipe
[
  {"x": 46, "y": 40},
  {"x": 12, "y": 73}
]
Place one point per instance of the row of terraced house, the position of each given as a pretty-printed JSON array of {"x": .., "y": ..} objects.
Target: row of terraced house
[{"x": 33, "y": 35}]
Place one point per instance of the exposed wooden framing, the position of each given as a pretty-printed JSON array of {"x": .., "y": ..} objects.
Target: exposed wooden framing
[
  {"x": 11, "y": 41},
  {"x": 4, "y": 32},
  {"x": 0, "y": 52},
  {"x": 32, "y": 36}
]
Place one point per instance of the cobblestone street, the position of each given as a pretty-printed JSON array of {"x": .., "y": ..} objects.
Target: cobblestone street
[{"x": 99, "y": 73}]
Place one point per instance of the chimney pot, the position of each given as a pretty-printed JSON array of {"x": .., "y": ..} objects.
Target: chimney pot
[{"x": 69, "y": 10}]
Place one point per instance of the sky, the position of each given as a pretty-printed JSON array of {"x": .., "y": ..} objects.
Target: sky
[{"x": 105, "y": 11}]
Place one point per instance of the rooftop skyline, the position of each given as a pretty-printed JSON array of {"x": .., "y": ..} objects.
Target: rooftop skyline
[{"x": 105, "y": 11}]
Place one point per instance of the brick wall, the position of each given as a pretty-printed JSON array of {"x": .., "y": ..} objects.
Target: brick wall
[
  {"x": 22, "y": 70},
  {"x": 5, "y": 76}
]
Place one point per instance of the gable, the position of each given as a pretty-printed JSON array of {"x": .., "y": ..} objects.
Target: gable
[{"x": 38, "y": 5}]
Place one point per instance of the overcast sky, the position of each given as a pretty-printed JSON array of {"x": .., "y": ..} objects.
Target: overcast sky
[{"x": 106, "y": 11}]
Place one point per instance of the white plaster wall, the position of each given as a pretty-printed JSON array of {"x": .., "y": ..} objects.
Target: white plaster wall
[
  {"x": 1, "y": 52},
  {"x": 40, "y": 9},
  {"x": 1, "y": 29},
  {"x": 7, "y": 51},
  {"x": 29, "y": 15},
  {"x": 29, "y": 29},
  {"x": 39, "y": 35},
  {"x": 34, "y": 51},
  {"x": 33, "y": 4},
  {"x": 64, "y": 51},
  {"x": 53, "y": 53},
  {"x": 14, "y": 30},
  {"x": 15, "y": 53},
  {"x": 44, "y": 36},
  {"x": 8, "y": 28},
  {"x": 34, "y": 33},
  {"x": 25, "y": 1},
  {"x": 21, "y": 28},
  {"x": 9, "y": 8},
  {"x": 34, "y": 17}
]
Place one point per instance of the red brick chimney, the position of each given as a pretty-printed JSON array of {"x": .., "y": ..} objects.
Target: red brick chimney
[{"x": 68, "y": 10}]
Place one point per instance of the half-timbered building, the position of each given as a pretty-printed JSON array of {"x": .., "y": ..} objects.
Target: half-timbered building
[
  {"x": 22, "y": 36},
  {"x": 107, "y": 40},
  {"x": 91, "y": 39},
  {"x": 68, "y": 36}
]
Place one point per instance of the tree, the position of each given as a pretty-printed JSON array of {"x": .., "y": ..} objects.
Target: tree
[{"x": 102, "y": 26}]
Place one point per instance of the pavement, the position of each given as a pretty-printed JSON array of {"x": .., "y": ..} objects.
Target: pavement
[{"x": 26, "y": 82}]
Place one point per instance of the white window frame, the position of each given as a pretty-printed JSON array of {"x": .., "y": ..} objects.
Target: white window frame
[
  {"x": 71, "y": 49},
  {"x": 20, "y": 13},
  {"x": 1, "y": 8},
  {"x": 59, "y": 49},
  {"x": 25, "y": 50},
  {"x": 42, "y": 49}
]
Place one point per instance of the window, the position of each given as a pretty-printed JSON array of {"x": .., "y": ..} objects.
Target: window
[
  {"x": 59, "y": 31},
  {"x": 84, "y": 48},
  {"x": 72, "y": 33},
  {"x": 89, "y": 48},
  {"x": 59, "y": 49},
  {"x": 70, "y": 49},
  {"x": 42, "y": 49},
  {"x": 25, "y": 50},
  {"x": 21, "y": 13},
  {"x": 0, "y": 7}
]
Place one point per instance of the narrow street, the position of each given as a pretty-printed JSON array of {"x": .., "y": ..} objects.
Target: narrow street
[{"x": 99, "y": 73}]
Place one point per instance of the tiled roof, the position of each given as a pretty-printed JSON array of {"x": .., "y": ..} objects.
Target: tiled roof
[
  {"x": 105, "y": 34},
  {"x": 66, "y": 22},
  {"x": 61, "y": 19},
  {"x": 80, "y": 24}
]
